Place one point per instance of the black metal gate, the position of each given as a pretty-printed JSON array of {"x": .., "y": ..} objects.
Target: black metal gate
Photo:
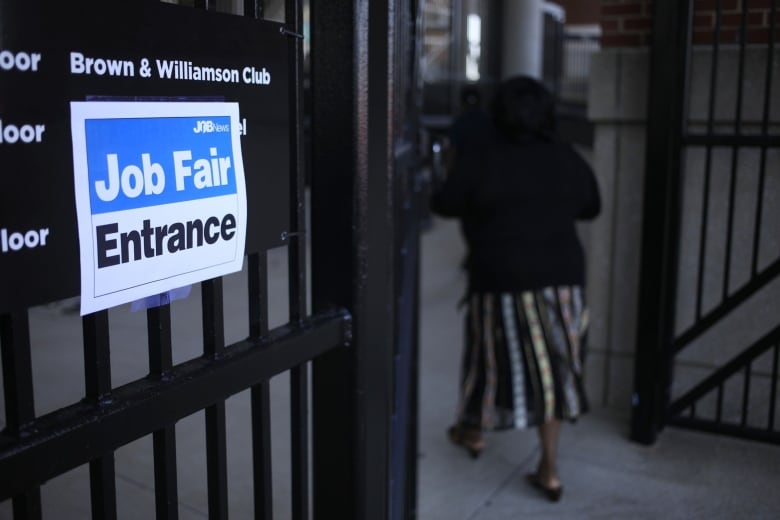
[
  {"x": 709, "y": 332},
  {"x": 353, "y": 433}
]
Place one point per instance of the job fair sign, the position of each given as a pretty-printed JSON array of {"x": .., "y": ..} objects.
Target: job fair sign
[{"x": 160, "y": 197}]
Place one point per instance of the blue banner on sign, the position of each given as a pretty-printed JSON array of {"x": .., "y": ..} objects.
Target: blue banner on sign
[{"x": 141, "y": 162}]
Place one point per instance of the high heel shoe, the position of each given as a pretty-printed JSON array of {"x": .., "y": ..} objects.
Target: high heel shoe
[
  {"x": 470, "y": 440},
  {"x": 553, "y": 494}
]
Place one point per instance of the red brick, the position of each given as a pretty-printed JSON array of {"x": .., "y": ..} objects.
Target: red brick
[
  {"x": 610, "y": 25},
  {"x": 707, "y": 37},
  {"x": 754, "y": 18},
  {"x": 712, "y": 5},
  {"x": 619, "y": 9},
  {"x": 703, "y": 21},
  {"x": 634, "y": 24},
  {"x": 622, "y": 40},
  {"x": 762, "y": 36}
]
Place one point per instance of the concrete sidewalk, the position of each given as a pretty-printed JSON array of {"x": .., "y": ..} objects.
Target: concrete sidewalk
[{"x": 685, "y": 475}]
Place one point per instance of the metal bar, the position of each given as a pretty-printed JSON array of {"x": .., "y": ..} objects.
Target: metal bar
[
  {"x": 299, "y": 386},
  {"x": 102, "y": 486},
  {"x": 297, "y": 246},
  {"x": 209, "y": 5},
  {"x": 735, "y": 149},
  {"x": 158, "y": 324},
  {"x": 299, "y": 438},
  {"x": 97, "y": 375},
  {"x": 19, "y": 400},
  {"x": 726, "y": 371},
  {"x": 260, "y": 393},
  {"x": 164, "y": 439},
  {"x": 17, "y": 372},
  {"x": 254, "y": 9},
  {"x": 165, "y": 485},
  {"x": 746, "y": 394},
  {"x": 661, "y": 215},
  {"x": 213, "y": 317},
  {"x": 733, "y": 430},
  {"x": 216, "y": 436},
  {"x": 258, "y": 294},
  {"x": 712, "y": 317},
  {"x": 719, "y": 405},
  {"x": 764, "y": 132},
  {"x": 216, "y": 461},
  {"x": 261, "y": 450},
  {"x": 56, "y": 445},
  {"x": 334, "y": 117},
  {"x": 27, "y": 506},
  {"x": 708, "y": 160},
  {"x": 97, "y": 356},
  {"x": 773, "y": 392}
]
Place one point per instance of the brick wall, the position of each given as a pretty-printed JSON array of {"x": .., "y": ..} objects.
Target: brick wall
[{"x": 627, "y": 23}]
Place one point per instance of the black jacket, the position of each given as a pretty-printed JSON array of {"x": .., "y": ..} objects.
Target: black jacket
[{"x": 518, "y": 203}]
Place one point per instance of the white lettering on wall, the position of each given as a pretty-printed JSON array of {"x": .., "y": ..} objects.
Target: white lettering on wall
[
  {"x": 17, "y": 240},
  {"x": 26, "y": 133},
  {"x": 80, "y": 64},
  {"x": 22, "y": 61}
]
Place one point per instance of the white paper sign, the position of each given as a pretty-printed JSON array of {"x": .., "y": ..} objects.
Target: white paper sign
[{"x": 160, "y": 197}]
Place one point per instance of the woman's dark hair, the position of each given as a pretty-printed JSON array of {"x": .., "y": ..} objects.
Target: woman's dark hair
[{"x": 523, "y": 107}]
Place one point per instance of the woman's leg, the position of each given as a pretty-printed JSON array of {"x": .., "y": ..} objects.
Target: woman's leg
[{"x": 547, "y": 471}]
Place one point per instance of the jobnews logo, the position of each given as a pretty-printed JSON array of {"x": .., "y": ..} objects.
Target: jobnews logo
[{"x": 207, "y": 127}]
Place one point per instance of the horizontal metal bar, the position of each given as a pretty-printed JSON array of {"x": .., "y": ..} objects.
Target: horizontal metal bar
[
  {"x": 72, "y": 436},
  {"x": 714, "y": 316},
  {"x": 715, "y": 139},
  {"x": 726, "y": 371},
  {"x": 732, "y": 430}
]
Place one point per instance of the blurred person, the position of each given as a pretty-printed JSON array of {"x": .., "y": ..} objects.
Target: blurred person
[
  {"x": 517, "y": 190},
  {"x": 472, "y": 121}
]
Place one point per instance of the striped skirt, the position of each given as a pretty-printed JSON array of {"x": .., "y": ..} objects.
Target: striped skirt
[{"x": 523, "y": 358}]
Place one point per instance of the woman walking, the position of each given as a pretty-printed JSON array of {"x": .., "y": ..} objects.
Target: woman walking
[{"x": 517, "y": 192}]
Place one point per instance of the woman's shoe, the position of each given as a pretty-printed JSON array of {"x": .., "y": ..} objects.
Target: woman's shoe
[
  {"x": 470, "y": 440},
  {"x": 553, "y": 494}
]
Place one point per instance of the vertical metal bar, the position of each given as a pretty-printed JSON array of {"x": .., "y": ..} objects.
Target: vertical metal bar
[
  {"x": 719, "y": 405},
  {"x": 258, "y": 294},
  {"x": 746, "y": 394},
  {"x": 209, "y": 5},
  {"x": 299, "y": 376},
  {"x": 254, "y": 9},
  {"x": 773, "y": 392},
  {"x": 661, "y": 215},
  {"x": 102, "y": 486},
  {"x": 260, "y": 393},
  {"x": 299, "y": 426},
  {"x": 18, "y": 394},
  {"x": 334, "y": 116},
  {"x": 97, "y": 356},
  {"x": 164, "y": 440},
  {"x": 708, "y": 159},
  {"x": 216, "y": 436},
  {"x": 17, "y": 372},
  {"x": 97, "y": 375},
  {"x": 735, "y": 149},
  {"x": 764, "y": 133},
  {"x": 261, "y": 450}
]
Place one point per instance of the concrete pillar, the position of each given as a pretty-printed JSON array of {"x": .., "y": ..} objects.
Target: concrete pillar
[{"x": 522, "y": 41}]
